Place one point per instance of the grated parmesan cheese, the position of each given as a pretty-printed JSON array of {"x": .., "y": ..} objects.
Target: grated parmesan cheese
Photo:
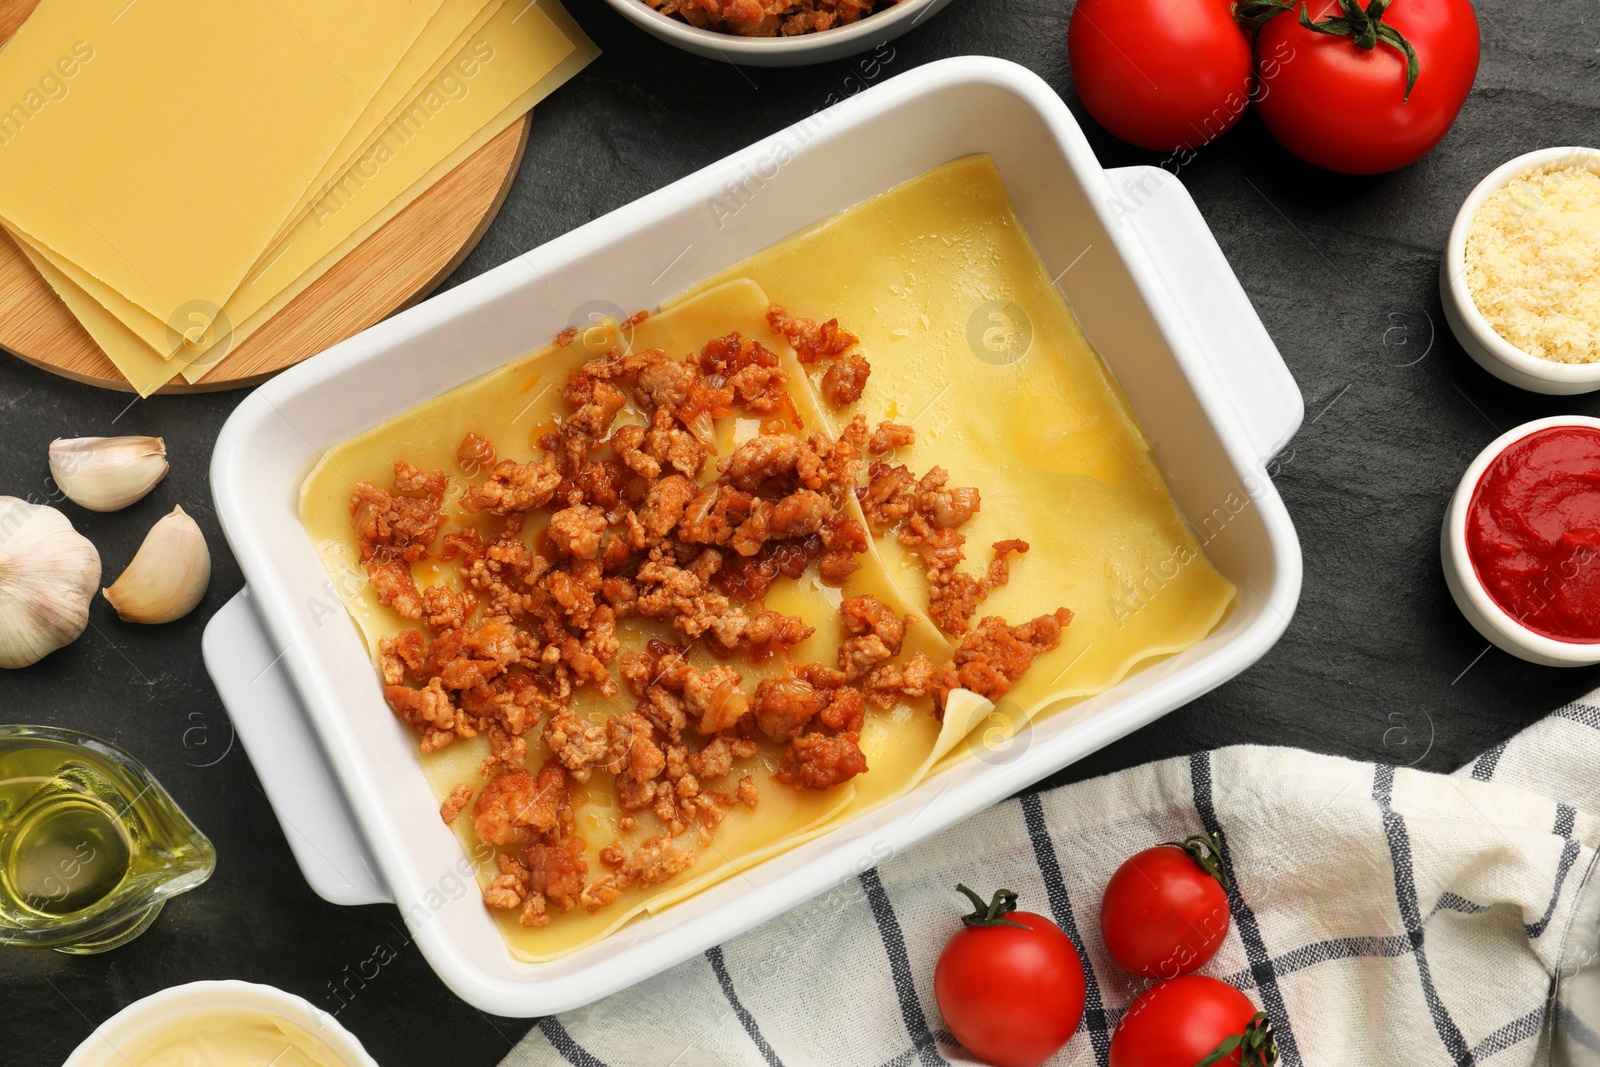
[{"x": 1533, "y": 262}]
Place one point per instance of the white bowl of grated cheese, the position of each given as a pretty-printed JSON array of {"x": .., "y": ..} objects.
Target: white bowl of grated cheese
[{"x": 1535, "y": 319}]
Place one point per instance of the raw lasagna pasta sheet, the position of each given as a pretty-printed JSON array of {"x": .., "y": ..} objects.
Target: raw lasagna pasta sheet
[
  {"x": 445, "y": 35},
  {"x": 501, "y": 72},
  {"x": 508, "y": 406},
  {"x": 1045, "y": 434},
  {"x": 168, "y": 204}
]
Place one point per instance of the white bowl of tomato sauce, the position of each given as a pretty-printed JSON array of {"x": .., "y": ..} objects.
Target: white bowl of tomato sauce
[{"x": 1521, "y": 542}]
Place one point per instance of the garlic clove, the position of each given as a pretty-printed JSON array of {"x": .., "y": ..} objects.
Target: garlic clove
[
  {"x": 168, "y": 575},
  {"x": 107, "y": 473},
  {"x": 48, "y": 575}
]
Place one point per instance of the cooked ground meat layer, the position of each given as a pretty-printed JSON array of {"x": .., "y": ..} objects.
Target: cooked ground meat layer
[{"x": 639, "y": 517}]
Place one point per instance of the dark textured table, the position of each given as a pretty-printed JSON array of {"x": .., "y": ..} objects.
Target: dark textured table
[{"x": 1377, "y": 663}]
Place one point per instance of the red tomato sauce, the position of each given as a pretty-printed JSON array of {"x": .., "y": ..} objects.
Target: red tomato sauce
[{"x": 1533, "y": 532}]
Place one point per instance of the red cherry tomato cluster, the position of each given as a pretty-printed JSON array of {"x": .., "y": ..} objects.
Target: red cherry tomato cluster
[
  {"x": 1011, "y": 985},
  {"x": 1164, "y": 915},
  {"x": 1354, "y": 88}
]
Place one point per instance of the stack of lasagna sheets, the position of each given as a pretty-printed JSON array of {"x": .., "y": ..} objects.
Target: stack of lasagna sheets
[{"x": 179, "y": 170}]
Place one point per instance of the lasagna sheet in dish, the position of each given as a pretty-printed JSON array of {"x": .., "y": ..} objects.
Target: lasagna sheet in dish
[{"x": 971, "y": 347}]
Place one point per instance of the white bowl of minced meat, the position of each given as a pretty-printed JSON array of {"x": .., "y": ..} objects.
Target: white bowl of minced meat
[{"x": 777, "y": 33}]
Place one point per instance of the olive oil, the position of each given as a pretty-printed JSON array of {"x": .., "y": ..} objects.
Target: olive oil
[
  {"x": 70, "y": 850},
  {"x": 91, "y": 846}
]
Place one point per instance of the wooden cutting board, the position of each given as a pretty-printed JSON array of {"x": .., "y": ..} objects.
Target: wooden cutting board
[{"x": 398, "y": 265}]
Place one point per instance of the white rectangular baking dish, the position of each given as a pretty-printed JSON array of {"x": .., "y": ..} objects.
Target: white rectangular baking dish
[{"x": 1140, "y": 269}]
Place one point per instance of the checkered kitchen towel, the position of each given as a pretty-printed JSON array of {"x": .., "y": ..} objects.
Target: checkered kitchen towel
[{"x": 1380, "y": 915}]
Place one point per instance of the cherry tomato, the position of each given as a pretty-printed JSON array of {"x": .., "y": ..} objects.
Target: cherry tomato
[
  {"x": 1344, "y": 107},
  {"x": 1181, "y": 1022},
  {"x": 1165, "y": 911},
  {"x": 1160, "y": 74},
  {"x": 1009, "y": 983}
]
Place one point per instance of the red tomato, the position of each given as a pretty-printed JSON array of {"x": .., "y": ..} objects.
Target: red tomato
[
  {"x": 1165, "y": 911},
  {"x": 1160, "y": 74},
  {"x": 1009, "y": 984},
  {"x": 1181, "y": 1022},
  {"x": 1343, "y": 107}
]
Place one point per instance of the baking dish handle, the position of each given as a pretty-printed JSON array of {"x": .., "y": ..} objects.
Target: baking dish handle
[
  {"x": 270, "y": 722},
  {"x": 1184, "y": 251}
]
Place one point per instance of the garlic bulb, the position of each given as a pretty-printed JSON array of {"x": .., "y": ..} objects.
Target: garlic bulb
[
  {"x": 48, "y": 575},
  {"x": 168, "y": 575},
  {"x": 107, "y": 473}
]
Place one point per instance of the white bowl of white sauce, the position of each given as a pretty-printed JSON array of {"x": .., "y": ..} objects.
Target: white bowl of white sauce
[{"x": 221, "y": 1024}]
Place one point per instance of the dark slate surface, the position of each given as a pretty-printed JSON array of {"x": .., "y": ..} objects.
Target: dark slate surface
[{"x": 1376, "y": 665}]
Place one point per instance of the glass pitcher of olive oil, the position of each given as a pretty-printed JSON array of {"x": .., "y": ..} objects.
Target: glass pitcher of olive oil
[{"x": 91, "y": 846}]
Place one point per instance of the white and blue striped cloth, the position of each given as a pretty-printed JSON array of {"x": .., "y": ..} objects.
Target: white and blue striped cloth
[{"x": 1380, "y": 916}]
